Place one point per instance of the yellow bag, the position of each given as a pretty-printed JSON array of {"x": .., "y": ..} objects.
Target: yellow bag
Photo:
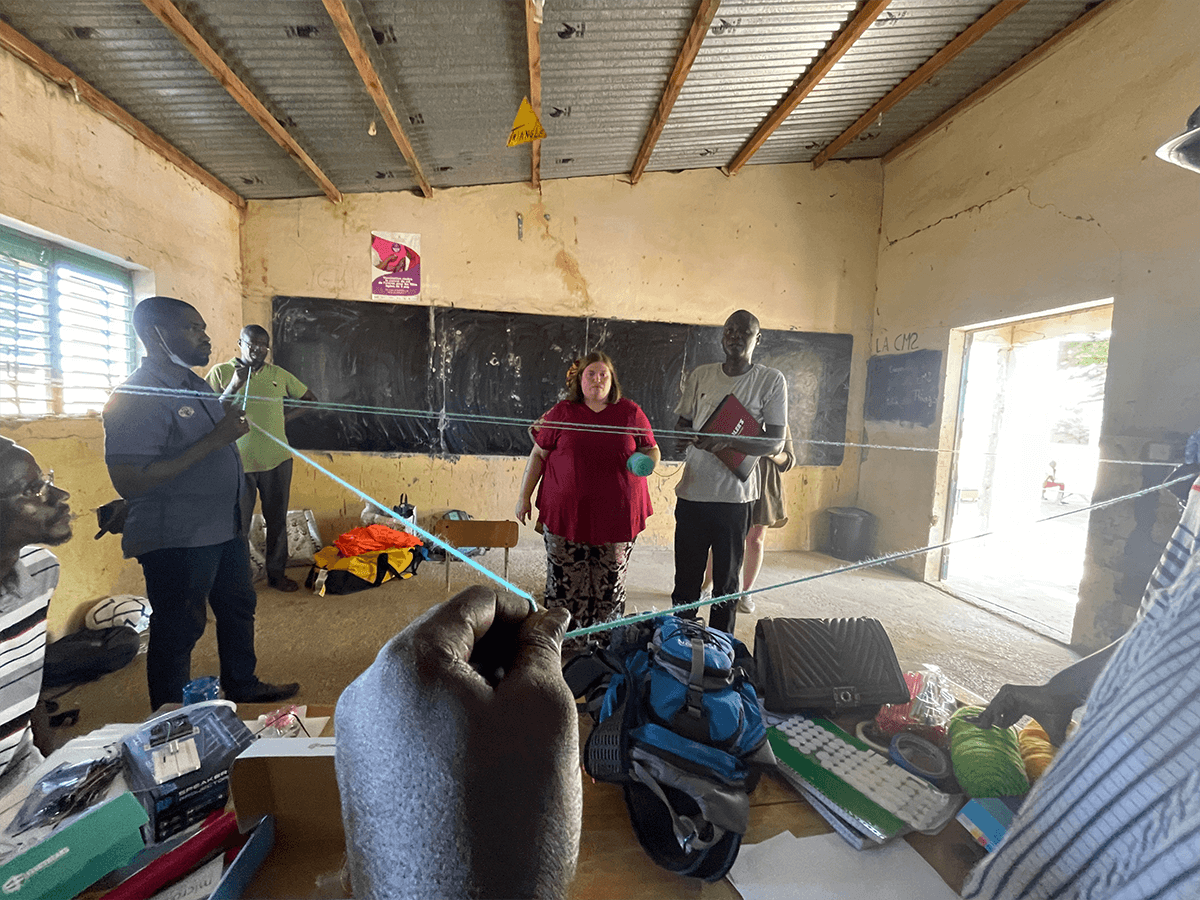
[{"x": 333, "y": 573}]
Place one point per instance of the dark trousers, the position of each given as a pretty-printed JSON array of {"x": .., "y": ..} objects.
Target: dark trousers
[
  {"x": 181, "y": 582},
  {"x": 275, "y": 487},
  {"x": 699, "y": 527}
]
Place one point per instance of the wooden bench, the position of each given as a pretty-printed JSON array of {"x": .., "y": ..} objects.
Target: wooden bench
[{"x": 460, "y": 533}]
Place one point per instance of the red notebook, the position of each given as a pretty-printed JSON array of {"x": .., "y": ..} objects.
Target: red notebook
[{"x": 731, "y": 418}]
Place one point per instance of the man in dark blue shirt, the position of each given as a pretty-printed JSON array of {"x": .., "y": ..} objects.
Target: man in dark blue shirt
[{"x": 169, "y": 446}]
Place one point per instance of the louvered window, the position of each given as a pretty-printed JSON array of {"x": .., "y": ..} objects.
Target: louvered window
[{"x": 66, "y": 331}]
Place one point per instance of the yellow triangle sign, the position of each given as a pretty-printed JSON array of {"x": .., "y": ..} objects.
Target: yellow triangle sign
[{"x": 526, "y": 126}]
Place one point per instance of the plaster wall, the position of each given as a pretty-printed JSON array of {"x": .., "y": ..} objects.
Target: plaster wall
[
  {"x": 794, "y": 246},
  {"x": 1047, "y": 194},
  {"x": 68, "y": 171}
]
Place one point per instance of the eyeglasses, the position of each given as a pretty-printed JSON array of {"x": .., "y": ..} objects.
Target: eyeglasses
[{"x": 36, "y": 490}]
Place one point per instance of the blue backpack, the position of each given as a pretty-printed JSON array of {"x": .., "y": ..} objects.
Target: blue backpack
[{"x": 678, "y": 725}]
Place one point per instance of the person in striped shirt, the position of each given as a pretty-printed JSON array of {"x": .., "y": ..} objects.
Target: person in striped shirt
[
  {"x": 1117, "y": 815},
  {"x": 32, "y": 511}
]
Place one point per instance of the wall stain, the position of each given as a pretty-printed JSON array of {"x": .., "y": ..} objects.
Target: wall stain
[
  {"x": 566, "y": 262},
  {"x": 575, "y": 283}
]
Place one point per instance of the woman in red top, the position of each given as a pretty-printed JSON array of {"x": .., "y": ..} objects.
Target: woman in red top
[{"x": 591, "y": 506}]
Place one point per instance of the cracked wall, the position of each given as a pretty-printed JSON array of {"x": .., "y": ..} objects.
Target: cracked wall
[
  {"x": 795, "y": 246},
  {"x": 1044, "y": 195},
  {"x": 69, "y": 171}
]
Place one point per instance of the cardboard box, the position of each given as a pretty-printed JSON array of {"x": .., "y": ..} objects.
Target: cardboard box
[
  {"x": 79, "y": 853},
  {"x": 292, "y": 780}
]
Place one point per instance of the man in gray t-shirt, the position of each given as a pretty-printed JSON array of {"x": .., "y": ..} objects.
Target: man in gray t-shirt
[{"x": 713, "y": 509}]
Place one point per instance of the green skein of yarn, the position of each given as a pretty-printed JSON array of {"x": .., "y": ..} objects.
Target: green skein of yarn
[{"x": 987, "y": 761}]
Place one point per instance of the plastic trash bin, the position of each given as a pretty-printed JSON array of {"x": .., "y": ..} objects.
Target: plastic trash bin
[{"x": 850, "y": 532}]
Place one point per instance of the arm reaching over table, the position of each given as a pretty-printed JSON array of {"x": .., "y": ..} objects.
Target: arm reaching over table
[
  {"x": 458, "y": 756},
  {"x": 1051, "y": 703}
]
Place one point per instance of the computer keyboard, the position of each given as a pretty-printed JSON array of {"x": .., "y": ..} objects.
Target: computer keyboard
[{"x": 873, "y": 796}]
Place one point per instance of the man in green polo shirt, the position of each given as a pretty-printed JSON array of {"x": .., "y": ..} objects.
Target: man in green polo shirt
[{"x": 268, "y": 466}]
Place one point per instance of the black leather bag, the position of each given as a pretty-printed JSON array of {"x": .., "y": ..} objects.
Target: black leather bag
[{"x": 826, "y": 665}]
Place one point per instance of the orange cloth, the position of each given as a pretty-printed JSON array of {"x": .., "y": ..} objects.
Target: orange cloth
[{"x": 373, "y": 537}]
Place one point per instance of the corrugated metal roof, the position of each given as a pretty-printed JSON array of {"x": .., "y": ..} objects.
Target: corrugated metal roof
[
  {"x": 604, "y": 67},
  {"x": 1025, "y": 30},
  {"x": 457, "y": 70},
  {"x": 898, "y": 43},
  {"x": 462, "y": 68}
]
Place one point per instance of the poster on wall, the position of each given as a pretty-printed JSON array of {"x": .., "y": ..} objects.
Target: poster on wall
[{"x": 395, "y": 266}]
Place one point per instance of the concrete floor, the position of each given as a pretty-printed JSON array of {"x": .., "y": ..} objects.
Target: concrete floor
[
  {"x": 325, "y": 642},
  {"x": 1028, "y": 572}
]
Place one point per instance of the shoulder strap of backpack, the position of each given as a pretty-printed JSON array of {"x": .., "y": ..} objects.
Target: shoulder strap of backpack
[{"x": 690, "y": 835}]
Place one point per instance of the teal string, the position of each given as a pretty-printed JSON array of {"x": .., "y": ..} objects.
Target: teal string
[
  {"x": 865, "y": 564},
  {"x": 407, "y": 524},
  {"x": 642, "y": 617}
]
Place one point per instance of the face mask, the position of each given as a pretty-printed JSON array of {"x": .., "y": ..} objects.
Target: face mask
[{"x": 170, "y": 354}]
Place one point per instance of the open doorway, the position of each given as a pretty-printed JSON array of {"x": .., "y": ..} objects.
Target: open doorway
[{"x": 1027, "y": 441}]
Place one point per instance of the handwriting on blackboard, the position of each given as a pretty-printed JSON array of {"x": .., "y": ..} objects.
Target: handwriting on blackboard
[{"x": 904, "y": 387}]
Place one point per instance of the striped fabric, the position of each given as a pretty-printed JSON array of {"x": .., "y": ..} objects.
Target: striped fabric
[
  {"x": 24, "y": 598},
  {"x": 1179, "y": 550},
  {"x": 1117, "y": 815}
]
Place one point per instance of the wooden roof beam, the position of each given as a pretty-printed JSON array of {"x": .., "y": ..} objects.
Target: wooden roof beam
[
  {"x": 208, "y": 57},
  {"x": 1007, "y": 75},
  {"x": 533, "y": 38},
  {"x": 683, "y": 65},
  {"x": 47, "y": 66},
  {"x": 932, "y": 66},
  {"x": 844, "y": 41},
  {"x": 367, "y": 71}
]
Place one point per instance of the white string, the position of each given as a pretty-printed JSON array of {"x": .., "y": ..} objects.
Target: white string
[{"x": 485, "y": 419}]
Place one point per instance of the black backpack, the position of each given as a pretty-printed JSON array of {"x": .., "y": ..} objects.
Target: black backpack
[{"x": 85, "y": 655}]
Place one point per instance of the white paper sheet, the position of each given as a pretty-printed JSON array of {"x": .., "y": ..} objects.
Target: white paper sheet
[{"x": 824, "y": 867}]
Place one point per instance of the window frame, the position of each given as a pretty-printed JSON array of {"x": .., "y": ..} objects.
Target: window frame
[{"x": 50, "y": 258}]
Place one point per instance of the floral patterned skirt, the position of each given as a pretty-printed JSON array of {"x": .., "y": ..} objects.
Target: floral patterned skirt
[{"x": 588, "y": 580}]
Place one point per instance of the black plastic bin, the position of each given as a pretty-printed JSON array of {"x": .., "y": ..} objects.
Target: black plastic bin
[{"x": 850, "y": 532}]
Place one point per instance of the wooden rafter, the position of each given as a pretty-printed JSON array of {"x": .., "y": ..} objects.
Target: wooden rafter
[
  {"x": 844, "y": 41},
  {"x": 935, "y": 64},
  {"x": 340, "y": 15},
  {"x": 533, "y": 37},
  {"x": 1004, "y": 77},
  {"x": 683, "y": 65},
  {"x": 208, "y": 57},
  {"x": 36, "y": 58}
]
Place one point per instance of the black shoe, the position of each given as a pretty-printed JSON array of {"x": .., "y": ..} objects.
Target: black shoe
[
  {"x": 261, "y": 692},
  {"x": 283, "y": 583}
]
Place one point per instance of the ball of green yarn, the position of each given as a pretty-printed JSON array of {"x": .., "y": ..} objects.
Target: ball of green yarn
[{"x": 987, "y": 761}]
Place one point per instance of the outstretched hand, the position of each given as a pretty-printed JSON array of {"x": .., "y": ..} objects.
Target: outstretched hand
[
  {"x": 502, "y": 663},
  {"x": 1013, "y": 701}
]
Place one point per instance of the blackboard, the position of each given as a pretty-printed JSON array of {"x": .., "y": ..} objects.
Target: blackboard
[
  {"x": 450, "y": 381},
  {"x": 904, "y": 387}
]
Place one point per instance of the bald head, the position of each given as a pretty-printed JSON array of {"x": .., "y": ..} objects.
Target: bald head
[
  {"x": 744, "y": 317},
  {"x": 254, "y": 345},
  {"x": 172, "y": 330},
  {"x": 255, "y": 331},
  {"x": 739, "y": 338},
  {"x": 158, "y": 312}
]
